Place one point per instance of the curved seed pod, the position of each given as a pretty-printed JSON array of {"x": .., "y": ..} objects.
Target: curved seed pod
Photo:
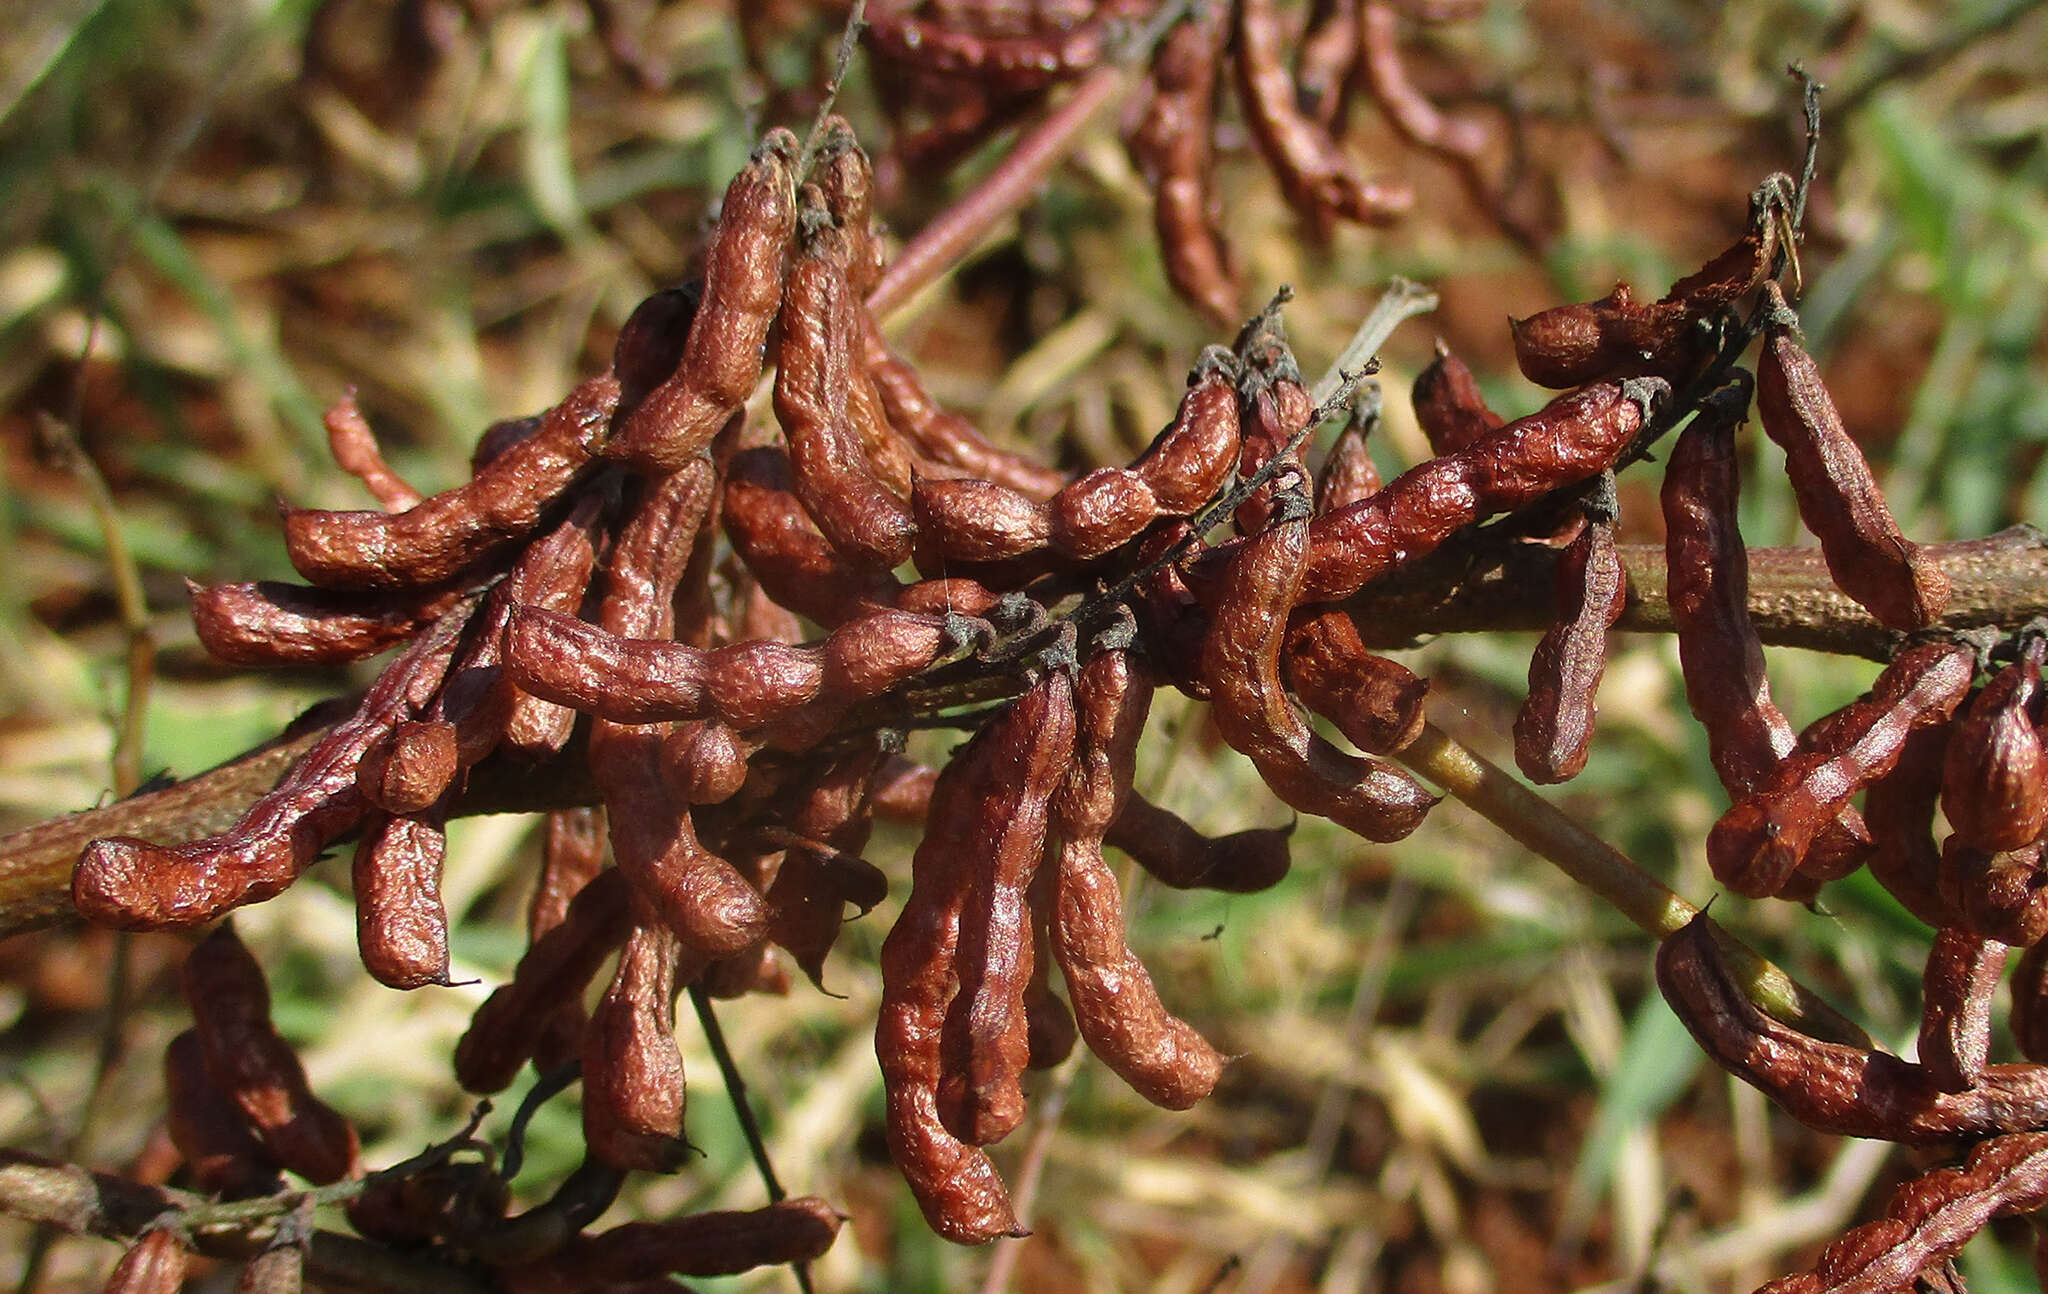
[
  {"x": 1449, "y": 405},
  {"x": 555, "y": 970},
  {"x": 553, "y": 575},
  {"x": 249, "y": 1061},
  {"x": 131, "y": 884},
  {"x": 798, "y": 569},
  {"x": 1572, "y": 439},
  {"x": 439, "y": 538},
  {"x": 843, "y": 176},
  {"x": 705, "y": 761},
  {"x": 2001, "y": 896},
  {"x": 1275, "y": 406},
  {"x": 984, "y": 1043},
  {"x": 970, "y": 520},
  {"x": 1827, "y": 1086},
  {"x": 1002, "y": 769},
  {"x": 1375, "y": 702},
  {"x": 644, "y": 680},
  {"x": 215, "y": 1139},
  {"x": 1241, "y": 666},
  {"x": 721, "y": 360},
  {"x": 1739, "y": 270},
  {"x": 1349, "y": 474},
  {"x": 632, "y": 1072},
  {"x": 1760, "y": 840},
  {"x": 1178, "y": 856},
  {"x": 1004, "y": 63},
  {"x": 1994, "y": 784},
  {"x": 1171, "y": 147},
  {"x": 1325, "y": 61},
  {"x": 401, "y": 923},
  {"x": 572, "y": 855},
  {"x": 1408, "y": 110},
  {"x": 355, "y": 451},
  {"x": 1838, "y": 499},
  {"x": 946, "y": 438},
  {"x": 903, "y": 790},
  {"x": 705, "y": 902},
  {"x": 266, "y": 623},
  {"x": 1315, "y": 176},
  {"x": 2029, "y": 1018},
  {"x": 1904, "y": 858},
  {"x": 154, "y": 1264},
  {"x": 1929, "y": 1218},
  {"x": 701, "y": 1244},
  {"x": 409, "y": 768},
  {"x": 1963, "y": 971},
  {"x": 1554, "y": 728},
  {"x": 816, "y": 361},
  {"x": 1115, "y": 1004},
  {"x": 1570, "y": 345},
  {"x": 820, "y": 873}
]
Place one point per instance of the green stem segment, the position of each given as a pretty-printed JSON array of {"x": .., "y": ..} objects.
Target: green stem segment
[{"x": 1534, "y": 822}]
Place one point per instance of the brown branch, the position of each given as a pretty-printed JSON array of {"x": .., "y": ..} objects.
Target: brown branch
[
  {"x": 87, "y": 1203},
  {"x": 2001, "y": 580}
]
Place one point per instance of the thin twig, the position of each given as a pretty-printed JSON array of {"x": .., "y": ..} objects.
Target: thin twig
[
  {"x": 1533, "y": 821},
  {"x": 849, "y": 41}
]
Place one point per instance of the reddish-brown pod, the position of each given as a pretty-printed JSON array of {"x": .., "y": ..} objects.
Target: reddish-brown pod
[
  {"x": 1994, "y": 783},
  {"x": 2029, "y": 1018},
  {"x": 1568, "y": 345},
  {"x": 219, "y": 1145},
  {"x": 354, "y": 447},
  {"x": 1348, "y": 473},
  {"x": 154, "y": 1264},
  {"x": 1554, "y": 728},
  {"x": 1963, "y": 970},
  {"x": 409, "y": 768},
  {"x": 1375, "y": 702},
  {"x": 721, "y": 360},
  {"x": 1172, "y": 146},
  {"x": 1178, "y": 856},
  {"x": 632, "y": 1071},
  {"x": 700, "y": 1244},
  {"x": 401, "y": 923},
  {"x": 265, "y": 623},
  {"x": 1900, "y": 812},
  {"x": 1449, "y": 405},
  {"x": 1838, "y": 498},
  {"x": 249, "y": 1061}
]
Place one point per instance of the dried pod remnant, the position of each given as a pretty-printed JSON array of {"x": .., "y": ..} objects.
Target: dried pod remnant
[
  {"x": 154, "y": 1264},
  {"x": 1758, "y": 843},
  {"x": 632, "y": 1071},
  {"x": 265, "y": 623},
  {"x": 249, "y": 1061},
  {"x": 1963, "y": 970},
  {"x": 1838, "y": 499},
  {"x": 1172, "y": 146},
  {"x": 1116, "y": 1006},
  {"x": 216, "y": 1139},
  {"x": 703, "y": 1244},
  {"x": 1994, "y": 784},
  {"x": 1449, "y": 405},
  {"x": 1554, "y": 728},
  {"x": 721, "y": 359}
]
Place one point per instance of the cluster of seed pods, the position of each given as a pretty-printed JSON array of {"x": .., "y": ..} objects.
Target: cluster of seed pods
[
  {"x": 712, "y": 617},
  {"x": 958, "y": 71}
]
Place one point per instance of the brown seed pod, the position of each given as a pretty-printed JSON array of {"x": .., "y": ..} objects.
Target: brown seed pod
[
  {"x": 1449, "y": 405},
  {"x": 843, "y": 176},
  {"x": 974, "y": 815},
  {"x": 1571, "y": 345},
  {"x": 721, "y": 360},
  {"x": 1904, "y": 858},
  {"x": 355, "y": 451},
  {"x": 1572, "y": 439},
  {"x": 1241, "y": 665},
  {"x": 1182, "y": 858},
  {"x": 1760, "y": 840},
  {"x": 401, "y": 923},
  {"x": 1838, "y": 499},
  {"x": 216, "y": 1140},
  {"x": 814, "y": 379},
  {"x": 265, "y": 623},
  {"x": 1004, "y": 63},
  {"x": 154, "y": 1264},
  {"x": 2001, "y": 896},
  {"x": 409, "y": 768},
  {"x": 1348, "y": 474},
  {"x": 572, "y": 855},
  {"x": 1963, "y": 970},
  {"x": 820, "y": 873},
  {"x": 131, "y": 884},
  {"x": 1928, "y": 1219},
  {"x": 1554, "y": 728},
  {"x": 1325, "y": 61},
  {"x": 746, "y": 685},
  {"x": 942, "y": 437},
  {"x": 1994, "y": 784},
  {"x": 705, "y": 761},
  {"x": 985, "y": 1040},
  {"x": 1115, "y": 1003},
  {"x": 1274, "y": 408},
  {"x": 1314, "y": 174},
  {"x": 1828, "y": 1086},
  {"x": 1171, "y": 147},
  {"x": 249, "y": 1061},
  {"x": 1375, "y": 702},
  {"x": 1408, "y": 110},
  {"x": 632, "y": 1072},
  {"x": 553, "y": 575},
  {"x": 441, "y": 537},
  {"x": 796, "y": 1230},
  {"x": 2029, "y": 1018},
  {"x": 280, "y": 1269},
  {"x": 510, "y": 1026}
]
